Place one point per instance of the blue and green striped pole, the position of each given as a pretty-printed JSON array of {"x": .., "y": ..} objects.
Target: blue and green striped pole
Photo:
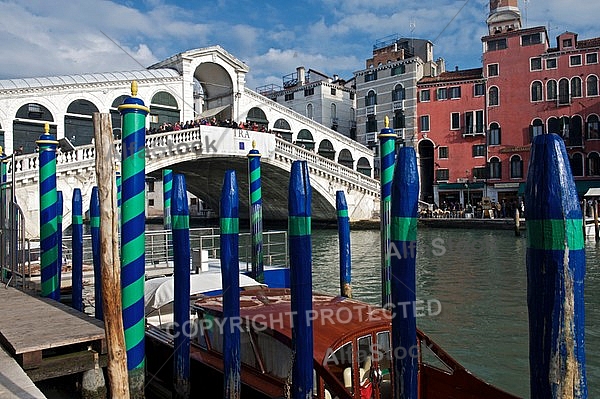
[
  {"x": 403, "y": 256},
  {"x": 300, "y": 247},
  {"x": 167, "y": 178},
  {"x": 118, "y": 182},
  {"x": 95, "y": 237},
  {"x": 230, "y": 274},
  {"x": 59, "y": 235},
  {"x": 387, "y": 145},
  {"x": 344, "y": 244},
  {"x": 48, "y": 219},
  {"x": 555, "y": 274},
  {"x": 3, "y": 205},
  {"x": 256, "y": 222},
  {"x": 180, "y": 217},
  {"x": 133, "y": 258},
  {"x": 77, "y": 250}
]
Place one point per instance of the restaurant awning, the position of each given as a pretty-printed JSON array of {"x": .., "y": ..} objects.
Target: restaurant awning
[
  {"x": 583, "y": 186},
  {"x": 213, "y": 111},
  {"x": 460, "y": 186}
]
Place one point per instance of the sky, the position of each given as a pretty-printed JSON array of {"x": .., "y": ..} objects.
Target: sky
[{"x": 54, "y": 37}]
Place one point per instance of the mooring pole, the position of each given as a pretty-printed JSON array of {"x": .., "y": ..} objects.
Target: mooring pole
[
  {"x": 299, "y": 237},
  {"x": 96, "y": 254},
  {"x": 344, "y": 244},
  {"x": 230, "y": 274},
  {"x": 3, "y": 212},
  {"x": 167, "y": 178},
  {"x": 77, "y": 250},
  {"x": 59, "y": 235},
  {"x": 256, "y": 223},
  {"x": 403, "y": 256},
  {"x": 48, "y": 219},
  {"x": 555, "y": 274},
  {"x": 133, "y": 234},
  {"x": 596, "y": 226},
  {"x": 387, "y": 147},
  {"x": 180, "y": 218}
]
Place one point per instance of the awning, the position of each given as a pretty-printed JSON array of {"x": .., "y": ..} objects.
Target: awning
[
  {"x": 593, "y": 192},
  {"x": 213, "y": 111},
  {"x": 460, "y": 186},
  {"x": 522, "y": 187},
  {"x": 583, "y": 186}
]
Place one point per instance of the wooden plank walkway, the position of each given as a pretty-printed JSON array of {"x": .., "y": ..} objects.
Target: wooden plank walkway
[
  {"x": 48, "y": 339},
  {"x": 14, "y": 382}
]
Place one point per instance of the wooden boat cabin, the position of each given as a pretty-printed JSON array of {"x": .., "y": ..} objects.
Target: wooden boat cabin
[{"x": 351, "y": 351}]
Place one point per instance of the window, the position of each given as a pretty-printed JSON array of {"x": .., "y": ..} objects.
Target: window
[
  {"x": 536, "y": 91},
  {"x": 454, "y": 92},
  {"x": 567, "y": 43},
  {"x": 479, "y": 121},
  {"x": 516, "y": 167},
  {"x": 479, "y": 89},
  {"x": 551, "y": 63},
  {"x": 591, "y": 86},
  {"x": 443, "y": 152},
  {"x": 564, "y": 125},
  {"x": 528, "y": 40},
  {"x": 289, "y": 96},
  {"x": 370, "y": 76},
  {"x": 577, "y": 164},
  {"x": 398, "y": 122},
  {"x": 479, "y": 150},
  {"x": 495, "y": 133},
  {"x": 591, "y": 58},
  {"x": 309, "y": 92},
  {"x": 442, "y": 174},
  {"x": 333, "y": 110},
  {"x": 371, "y": 124},
  {"x": 352, "y": 96},
  {"x": 535, "y": 64},
  {"x": 493, "y": 70},
  {"x": 494, "y": 96},
  {"x": 309, "y": 111},
  {"x": 495, "y": 167},
  {"x": 576, "y": 87},
  {"x": 551, "y": 90},
  {"x": 425, "y": 123},
  {"x": 575, "y": 60},
  {"x": 593, "y": 164},
  {"x": 593, "y": 131},
  {"x": 424, "y": 95},
  {"x": 371, "y": 98},
  {"x": 498, "y": 44},
  {"x": 479, "y": 172},
  {"x": 151, "y": 202},
  {"x": 150, "y": 184},
  {"x": 398, "y": 70},
  {"x": 469, "y": 122},
  {"x": 455, "y": 120},
  {"x": 563, "y": 92},
  {"x": 398, "y": 93},
  {"x": 333, "y": 91},
  {"x": 536, "y": 129},
  {"x": 442, "y": 93}
]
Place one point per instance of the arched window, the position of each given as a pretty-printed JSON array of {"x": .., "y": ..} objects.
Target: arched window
[
  {"x": 575, "y": 131},
  {"x": 305, "y": 139},
  {"x": 495, "y": 168},
  {"x": 282, "y": 129},
  {"x": 164, "y": 109},
  {"x": 516, "y": 167},
  {"x": 115, "y": 115},
  {"x": 564, "y": 124},
  {"x": 495, "y": 134},
  {"x": 258, "y": 116},
  {"x": 345, "y": 158},
  {"x": 363, "y": 166},
  {"x": 371, "y": 98},
  {"x": 553, "y": 125},
  {"x": 577, "y": 164},
  {"x": 79, "y": 128},
  {"x": 563, "y": 92},
  {"x": 536, "y": 91},
  {"x": 494, "y": 96},
  {"x": 593, "y": 164},
  {"x": 536, "y": 128},
  {"x": 591, "y": 86},
  {"x": 334, "y": 118},
  {"x": 576, "y": 87},
  {"x": 399, "y": 119},
  {"x": 398, "y": 93},
  {"x": 29, "y": 124},
  {"x": 309, "y": 110},
  {"x": 333, "y": 110},
  {"x": 326, "y": 149},
  {"x": 551, "y": 90},
  {"x": 593, "y": 128}
]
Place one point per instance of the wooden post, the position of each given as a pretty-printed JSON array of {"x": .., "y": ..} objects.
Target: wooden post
[
  {"x": 111, "y": 267},
  {"x": 596, "y": 227},
  {"x": 517, "y": 223}
]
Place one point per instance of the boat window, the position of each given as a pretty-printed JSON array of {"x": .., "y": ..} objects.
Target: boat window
[
  {"x": 340, "y": 365},
  {"x": 276, "y": 356},
  {"x": 365, "y": 359},
  {"x": 431, "y": 359},
  {"x": 383, "y": 355},
  {"x": 214, "y": 333},
  {"x": 247, "y": 354},
  {"x": 198, "y": 333}
]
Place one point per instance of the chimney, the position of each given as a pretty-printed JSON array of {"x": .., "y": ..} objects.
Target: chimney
[
  {"x": 300, "y": 71},
  {"x": 335, "y": 78},
  {"x": 456, "y": 68}
]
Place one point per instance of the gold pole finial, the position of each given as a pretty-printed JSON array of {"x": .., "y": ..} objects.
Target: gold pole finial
[
  {"x": 253, "y": 144},
  {"x": 1, "y": 151},
  {"x": 134, "y": 88},
  {"x": 47, "y": 128},
  {"x": 387, "y": 121}
]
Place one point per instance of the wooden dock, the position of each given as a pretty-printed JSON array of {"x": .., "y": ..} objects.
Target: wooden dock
[
  {"x": 14, "y": 382},
  {"x": 49, "y": 339}
]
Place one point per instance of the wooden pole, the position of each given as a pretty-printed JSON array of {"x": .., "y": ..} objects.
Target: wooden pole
[
  {"x": 517, "y": 223},
  {"x": 111, "y": 267},
  {"x": 596, "y": 227}
]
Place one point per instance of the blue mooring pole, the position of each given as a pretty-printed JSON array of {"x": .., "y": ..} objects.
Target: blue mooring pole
[
  {"x": 230, "y": 275},
  {"x": 180, "y": 222},
  {"x": 387, "y": 152},
  {"x": 256, "y": 222},
  {"x": 344, "y": 243},
  {"x": 555, "y": 274},
  {"x": 59, "y": 235},
  {"x": 403, "y": 256},
  {"x": 77, "y": 249},
  {"x": 299, "y": 237},
  {"x": 95, "y": 236}
]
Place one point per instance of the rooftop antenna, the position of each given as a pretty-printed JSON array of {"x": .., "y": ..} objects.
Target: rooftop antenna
[
  {"x": 526, "y": 4},
  {"x": 412, "y": 25}
]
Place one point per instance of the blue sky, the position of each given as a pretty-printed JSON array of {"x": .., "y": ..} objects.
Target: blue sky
[{"x": 51, "y": 37}]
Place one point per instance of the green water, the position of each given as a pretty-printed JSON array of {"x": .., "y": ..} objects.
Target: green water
[{"x": 480, "y": 281}]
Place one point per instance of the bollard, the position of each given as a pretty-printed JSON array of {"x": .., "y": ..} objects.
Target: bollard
[
  {"x": 77, "y": 250},
  {"x": 230, "y": 275},
  {"x": 256, "y": 223},
  {"x": 95, "y": 236},
  {"x": 387, "y": 146},
  {"x": 344, "y": 244},
  {"x": 48, "y": 219},
  {"x": 299, "y": 243},
  {"x": 555, "y": 274}
]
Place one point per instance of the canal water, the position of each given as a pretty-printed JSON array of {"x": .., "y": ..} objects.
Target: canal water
[{"x": 479, "y": 278}]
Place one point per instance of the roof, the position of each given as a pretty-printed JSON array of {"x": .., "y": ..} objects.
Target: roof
[
  {"x": 453, "y": 76},
  {"x": 587, "y": 43},
  {"x": 88, "y": 78}
]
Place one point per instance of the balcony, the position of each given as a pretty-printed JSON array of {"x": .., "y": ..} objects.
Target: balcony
[
  {"x": 399, "y": 133},
  {"x": 371, "y": 110},
  {"x": 471, "y": 131},
  {"x": 398, "y": 105}
]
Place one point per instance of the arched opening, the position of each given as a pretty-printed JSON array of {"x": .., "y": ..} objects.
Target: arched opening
[
  {"x": 577, "y": 164},
  {"x": 30, "y": 126},
  {"x": 326, "y": 149},
  {"x": 115, "y": 116},
  {"x": 495, "y": 168},
  {"x": 163, "y": 111},
  {"x": 363, "y": 166},
  {"x": 79, "y": 127},
  {"x": 593, "y": 127},
  {"x": 216, "y": 90},
  {"x": 426, "y": 170},
  {"x": 305, "y": 139},
  {"x": 536, "y": 129},
  {"x": 576, "y": 131},
  {"x": 282, "y": 129},
  {"x": 516, "y": 167},
  {"x": 257, "y": 119},
  {"x": 553, "y": 125},
  {"x": 345, "y": 158},
  {"x": 593, "y": 164},
  {"x": 309, "y": 111}
]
